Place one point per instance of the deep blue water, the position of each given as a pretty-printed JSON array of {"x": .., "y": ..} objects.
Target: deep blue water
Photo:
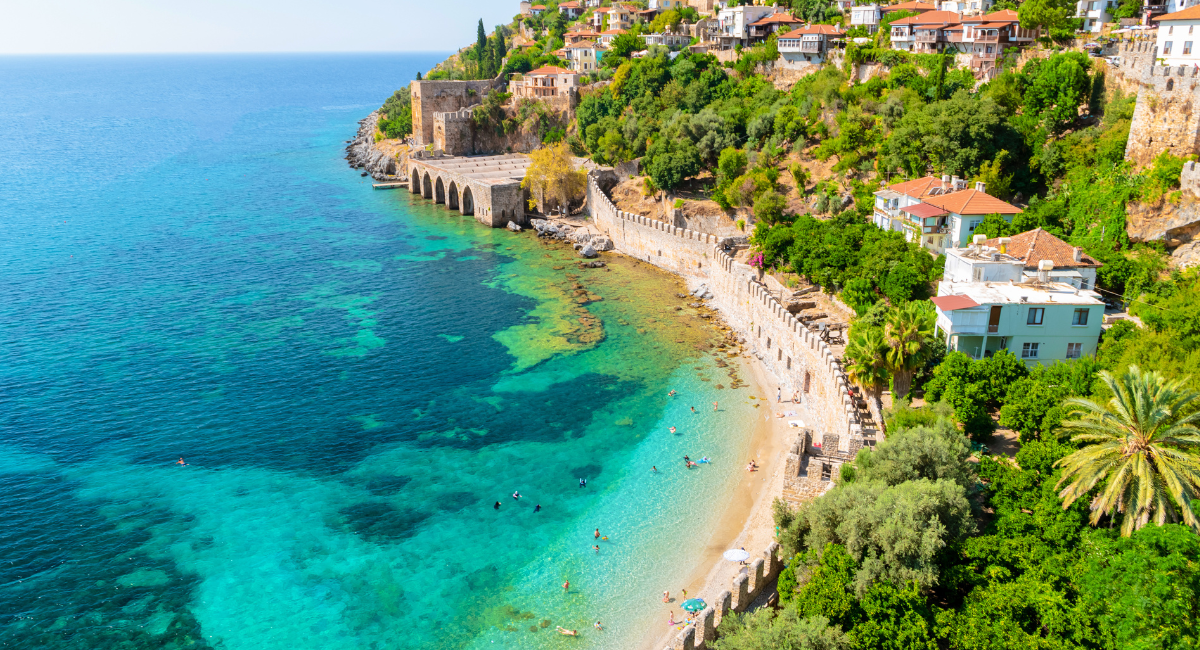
[{"x": 189, "y": 269}]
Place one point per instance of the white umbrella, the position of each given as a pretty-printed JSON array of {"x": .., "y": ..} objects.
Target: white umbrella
[{"x": 736, "y": 555}]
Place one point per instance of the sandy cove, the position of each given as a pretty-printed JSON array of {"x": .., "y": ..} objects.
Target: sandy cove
[{"x": 747, "y": 519}]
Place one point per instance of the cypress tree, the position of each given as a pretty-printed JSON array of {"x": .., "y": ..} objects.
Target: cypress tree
[
  {"x": 418, "y": 75},
  {"x": 481, "y": 49}
]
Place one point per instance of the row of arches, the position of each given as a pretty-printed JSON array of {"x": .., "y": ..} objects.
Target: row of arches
[{"x": 435, "y": 189}]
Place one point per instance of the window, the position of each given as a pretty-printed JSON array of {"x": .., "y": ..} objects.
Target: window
[
  {"x": 1083, "y": 283},
  {"x": 1170, "y": 29},
  {"x": 826, "y": 471},
  {"x": 972, "y": 225},
  {"x": 1187, "y": 48},
  {"x": 1074, "y": 350},
  {"x": 1167, "y": 48},
  {"x": 1080, "y": 317},
  {"x": 1035, "y": 316},
  {"x": 976, "y": 274},
  {"x": 1092, "y": 6},
  {"x": 1029, "y": 350}
]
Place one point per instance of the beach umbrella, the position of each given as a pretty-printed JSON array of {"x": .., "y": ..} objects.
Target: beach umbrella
[
  {"x": 694, "y": 604},
  {"x": 736, "y": 555}
]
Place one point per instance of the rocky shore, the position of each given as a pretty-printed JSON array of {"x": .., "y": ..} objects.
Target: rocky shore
[{"x": 383, "y": 160}]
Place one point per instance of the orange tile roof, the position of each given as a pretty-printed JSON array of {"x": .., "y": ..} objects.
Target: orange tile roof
[
  {"x": 931, "y": 18},
  {"x": 828, "y": 30},
  {"x": 569, "y": 5},
  {"x": 549, "y": 69},
  {"x": 1191, "y": 13},
  {"x": 916, "y": 188},
  {"x": 1002, "y": 16},
  {"x": 1035, "y": 245},
  {"x": 971, "y": 202},
  {"x": 909, "y": 6},
  {"x": 582, "y": 45},
  {"x": 781, "y": 18}
]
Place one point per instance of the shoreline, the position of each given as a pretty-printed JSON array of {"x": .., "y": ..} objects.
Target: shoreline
[{"x": 747, "y": 519}]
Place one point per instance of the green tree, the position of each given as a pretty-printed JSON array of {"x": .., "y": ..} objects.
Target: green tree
[
  {"x": 867, "y": 355},
  {"x": 671, "y": 161},
  {"x": 1141, "y": 447},
  {"x": 625, "y": 45},
  {"x": 481, "y": 49},
  {"x": 766, "y": 630},
  {"x": 908, "y": 332},
  {"x": 1059, "y": 85},
  {"x": 994, "y": 225},
  {"x": 769, "y": 207},
  {"x": 1054, "y": 17},
  {"x": 932, "y": 452}
]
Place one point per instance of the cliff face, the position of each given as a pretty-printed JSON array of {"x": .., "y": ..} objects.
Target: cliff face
[
  {"x": 1176, "y": 224},
  {"x": 384, "y": 160}
]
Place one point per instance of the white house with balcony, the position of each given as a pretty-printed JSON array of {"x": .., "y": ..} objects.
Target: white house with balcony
[
  {"x": 986, "y": 303},
  {"x": 808, "y": 44},
  {"x": 1071, "y": 265},
  {"x": 1178, "y": 35},
  {"x": 1092, "y": 14},
  {"x": 866, "y": 16},
  {"x": 734, "y": 23},
  {"x": 938, "y": 214}
]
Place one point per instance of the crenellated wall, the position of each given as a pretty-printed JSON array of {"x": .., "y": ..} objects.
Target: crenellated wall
[
  {"x": 1167, "y": 116},
  {"x": 745, "y": 588},
  {"x": 796, "y": 355}
]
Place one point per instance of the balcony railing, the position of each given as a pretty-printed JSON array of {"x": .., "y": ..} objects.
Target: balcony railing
[
  {"x": 987, "y": 38},
  {"x": 983, "y": 58},
  {"x": 811, "y": 47},
  {"x": 927, "y": 37},
  {"x": 936, "y": 230}
]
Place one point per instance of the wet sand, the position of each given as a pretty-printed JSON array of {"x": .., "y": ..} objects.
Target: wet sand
[{"x": 748, "y": 520}]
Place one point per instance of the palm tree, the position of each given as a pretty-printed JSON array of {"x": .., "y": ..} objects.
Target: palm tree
[
  {"x": 1141, "y": 446},
  {"x": 866, "y": 352},
  {"x": 907, "y": 332}
]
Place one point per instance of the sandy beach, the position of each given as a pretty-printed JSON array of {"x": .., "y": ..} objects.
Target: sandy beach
[{"x": 747, "y": 520}]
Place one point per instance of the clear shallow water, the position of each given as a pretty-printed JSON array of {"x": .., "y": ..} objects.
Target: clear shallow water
[{"x": 188, "y": 268}]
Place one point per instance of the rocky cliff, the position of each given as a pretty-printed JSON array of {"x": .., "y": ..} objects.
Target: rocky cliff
[{"x": 384, "y": 160}]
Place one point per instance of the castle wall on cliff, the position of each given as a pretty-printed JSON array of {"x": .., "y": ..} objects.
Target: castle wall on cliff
[
  {"x": 429, "y": 97},
  {"x": 1167, "y": 116}
]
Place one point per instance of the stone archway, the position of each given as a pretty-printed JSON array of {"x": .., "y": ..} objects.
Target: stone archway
[
  {"x": 439, "y": 191},
  {"x": 426, "y": 187},
  {"x": 468, "y": 201},
  {"x": 414, "y": 181},
  {"x": 452, "y": 196}
]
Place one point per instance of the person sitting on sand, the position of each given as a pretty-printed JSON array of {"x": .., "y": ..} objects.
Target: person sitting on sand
[{"x": 565, "y": 632}]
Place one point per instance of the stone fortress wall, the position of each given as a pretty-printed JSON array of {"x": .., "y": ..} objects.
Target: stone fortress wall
[
  {"x": 796, "y": 355},
  {"x": 1167, "y": 116},
  {"x": 430, "y": 97}
]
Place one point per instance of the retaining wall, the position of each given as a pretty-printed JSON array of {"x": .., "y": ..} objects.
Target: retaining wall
[{"x": 745, "y": 588}]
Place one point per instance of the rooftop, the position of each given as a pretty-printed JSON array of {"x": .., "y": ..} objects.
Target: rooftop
[
  {"x": 1003, "y": 16},
  {"x": 908, "y": 6},
  {"x": 779, "y": 18},
  {"x": 493, "y": 170},
  {"x": 1036, "y": 245},
  {"x": 549, "y": 69},
  {"x": 828, "y": 30},
  {"x": 971, "y": 202},
  {"x": 1033, "y": 293},
  {"x": 932, "y": 18},
  {"x": 916, "y": 188},
  {"x": 923, "y": 210},
  {"x": 1191, "y": 13}
]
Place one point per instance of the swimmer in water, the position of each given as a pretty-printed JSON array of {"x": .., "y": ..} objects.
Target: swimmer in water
[
  {"x": 596, "y": 548},
  {"x": 180, "y": 461},
  {"x": 671, "y": 394},
  {"x": 565, "y": 632},
  {"x": 714, "y": 406},
  {"x": 582, "y": 482},
  {"x": 672, "y": 429},
  {"x": 597, "y": 625},
  {"x": 517, "y": 495},
  {"x": 537, "y": 508},
  {"x": 597, "y": 535},
  {"x": 693, "y": 409},
  {"x": 497, "y": 506},
  {"x": 604, "y": 539},
  {"x": 653, "y": 468},
  {"x": 567, "y": 585}
]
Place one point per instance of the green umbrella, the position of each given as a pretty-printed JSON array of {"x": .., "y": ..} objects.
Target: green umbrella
[{"x": 694, "y": 605}]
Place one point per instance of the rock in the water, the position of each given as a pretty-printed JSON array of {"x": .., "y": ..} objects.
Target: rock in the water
[
  {"x": 587, "y": 251},
  {"x": 597, "y": 264},
  {"x": 513, "y": 226},
  {"x": 602, "y": 243}
]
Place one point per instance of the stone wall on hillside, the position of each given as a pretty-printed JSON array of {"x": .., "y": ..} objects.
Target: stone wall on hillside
[
  {"x": 429, "y": 97},
  {"x": 1167, "y": 116},
  {"x": 796, "y": 355}
]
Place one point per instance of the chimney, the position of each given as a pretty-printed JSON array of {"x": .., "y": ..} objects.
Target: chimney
[
  {"x": 980, "y": 186},
  {"x": 1077, "y": 254},
  {"x": 1004, "y": 245},
  {"x": 1044, "y": 269}
]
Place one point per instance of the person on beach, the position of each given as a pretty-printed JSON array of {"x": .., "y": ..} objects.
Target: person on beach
[
  {"x": 497, "y": 506},
  {"x": 795, "y": 397},
  {"x": 667, "y": 599},
  {"x": 684, "y": 592},
  {"x": 537, "y": 508},
  {"x": 671, "y": 619},
  {"x": 778, "y": 394}
]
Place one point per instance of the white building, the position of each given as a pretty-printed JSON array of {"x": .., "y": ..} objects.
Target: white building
[
  {"x": 810, "y": 44},
  {"x": 735, "y": 23},
  {"x": 1177, "y": 36},
  {"x": 988, "y": 303},
  {"x": 866, "y": 16},
  {"x": 1094, "y": 13},
  {"x": 1071, "y": 265},
  {"x": 937, "y": 214}
]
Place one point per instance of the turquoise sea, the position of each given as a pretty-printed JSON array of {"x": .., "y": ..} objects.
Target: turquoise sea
[{"x": 189, "y": 269}]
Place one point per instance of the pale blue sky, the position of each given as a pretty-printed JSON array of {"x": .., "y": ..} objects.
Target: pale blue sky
[{"x": 122, "y": 26}]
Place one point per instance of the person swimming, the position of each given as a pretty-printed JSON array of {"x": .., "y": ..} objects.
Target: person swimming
[
  {"x": 597, "y": 625},
  {"x": 537, "y": 508},
  {"x": 671, "y": 394},
  {"x": 180, "y": 461},
  {"x": 565, "y": 632},
  {"x": 705, "y": 460},
  {"x": 497, "y": 506},
  {"x": 583, "y": 482},
  {"x": 517, "y": 495}
]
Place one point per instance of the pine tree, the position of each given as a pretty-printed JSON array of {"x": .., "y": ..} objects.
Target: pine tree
[
  {"x": 481, "y": 49},
  {"x": 418, "y": 75}
]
